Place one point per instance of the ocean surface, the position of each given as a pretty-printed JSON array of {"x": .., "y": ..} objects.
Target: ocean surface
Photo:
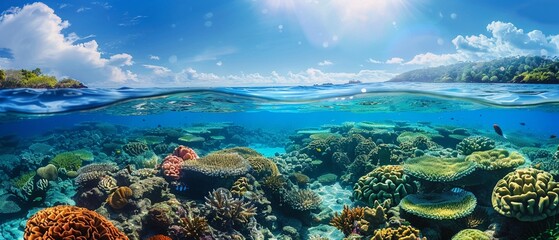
[{"x": 302, "y": 130}]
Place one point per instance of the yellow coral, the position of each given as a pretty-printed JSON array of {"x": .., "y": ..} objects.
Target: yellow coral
[
  {"x": 438, "y": 169},
  {"x": 345, "y": 221},
  {"x": 527, "y": 195},
  {"x": 400, "y": 233},
  {"x": 218, "y": 165},
  {"x": 471, "y": 234},
  {"x": 496, "y": 159},
  {"x": 440, "y": 206},
  {"x": 384, "y": 182},
  {"x": 67, "y": 160}
]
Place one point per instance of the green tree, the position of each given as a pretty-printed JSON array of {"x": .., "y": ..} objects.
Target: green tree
[
  {"x": 37, "y": 71},
  {"x": 69, "y": 83},
  {"x": 40, "y": 82},
  {"x": 2, "y": 75}
]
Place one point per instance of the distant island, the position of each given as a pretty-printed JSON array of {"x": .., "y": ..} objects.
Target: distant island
[
  {"x": 34, "y": 79},
  {"x": 525, "y": 69}
]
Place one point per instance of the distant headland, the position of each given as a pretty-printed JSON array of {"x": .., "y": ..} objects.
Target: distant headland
[
  {"x": 34, "y": 79},
  {"x": 525, "y": 69}
]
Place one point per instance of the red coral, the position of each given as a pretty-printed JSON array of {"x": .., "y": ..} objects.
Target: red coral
[
  {"x": 172, "y": 166},
  {"x": 185, "y": 153},
  {"x": 69, "y": 222}
]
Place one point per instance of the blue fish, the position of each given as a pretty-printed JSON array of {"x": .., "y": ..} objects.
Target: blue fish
[{"x": 181, "y": 187}]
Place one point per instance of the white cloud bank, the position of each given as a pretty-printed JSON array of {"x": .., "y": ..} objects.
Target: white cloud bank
[
  {"x": 33, "y": 35},
  {"x": 506, "y": 40},
  {"x": 163, "y": 76}
]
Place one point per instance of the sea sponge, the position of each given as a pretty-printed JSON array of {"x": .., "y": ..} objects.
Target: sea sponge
[
  {"x": 48, "y": 172},
  {"x": 67, "y": 160},
  {"x": 135, "y": 148},
  {"x": 473, "y": 144},
  {"x": 345, "y": 221},
  {"x": 227, "y": 212},
  {"x": 218, "y": 165},
  {"x": 119, "y": 198},
  {"x": 400, "y": 233},
  {"x": 440, "y": 206},
  {"x": 496, "y": 159},
  {"x": 69, "y": 222},
  {"x": 302, "y": 200},
  {"x": 384, "y": 182},
  {"x": 185, "y": 153},
  {"x": 527, "y": 195},
  {"x": 471, "y": 234},
  {"x": 171, "y": 166},
  {"x": 438, "y": 169}
]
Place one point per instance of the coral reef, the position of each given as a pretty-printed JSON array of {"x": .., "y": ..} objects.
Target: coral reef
[
  {"x": 226, "y": 212},
  {"x": 218, "y": 165},
  {"x": 48, "y": 172},
  {"x": 496, "y": 159},
  {"x": 135, "y": 148},
  {"x": 384, "y": 182},
  {"x": 440, "y": 206},
  {"x": 400, "y": 233},
  {"x": 345, "y": 221},
  {"x": 471, "y": 234},
  {"x": 302, "y": 199},
  {"x": 474, "y": 144},
  {"x": 119, "y": 198},
  {"x": 67, "y": 160},
  {"x": 68, "y": 222},
  {"x": 438, "y": 169},
  {"x": 185, "y": 153},
  {"x": 527, "y": 195},
  {"x": 171, "y": 166}
]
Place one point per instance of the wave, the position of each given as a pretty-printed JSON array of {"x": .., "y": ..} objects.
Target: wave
[{"x": 41, "y": 101}]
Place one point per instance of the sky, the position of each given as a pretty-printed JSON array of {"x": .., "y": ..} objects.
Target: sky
[{"x": 211, "y": 43}]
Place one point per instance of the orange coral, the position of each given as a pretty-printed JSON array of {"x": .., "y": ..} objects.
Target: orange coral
[
  {"x": 119, "y": 198},
  {"x": 172, "y": 166},
  {"x": 185, "y": 153},
  {"x": 69, "y": 222},
  {"x": 348, "y": 219},
  {"x": 159, "y": 237}
]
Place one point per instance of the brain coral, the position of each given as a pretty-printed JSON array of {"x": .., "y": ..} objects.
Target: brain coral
[
  {"x": 471, "y": 234},
  {"x": 440, "y": 206},
  {"x": 135, "y": 148},
  {"x": 119, "y": 198},
  {"x": 438, "y": 169},
  {"x": 400, "y": 233},
  {"x": 473, "y": 144},
  {"x": 69, "y": 222},
  {"x": 218, "y": 165},
  {"x": 185, "y": 153},
  {"x": 384, "y": 182},
  {"x": 527, "y": 195},
  {"x": 171, "y": 166},
  {"x": 496, "y": 159}
]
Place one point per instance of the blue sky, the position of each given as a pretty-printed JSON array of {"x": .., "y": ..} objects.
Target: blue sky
[{"x": 265, "y": 42}]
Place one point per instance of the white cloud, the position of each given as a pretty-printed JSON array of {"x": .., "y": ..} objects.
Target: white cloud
[
  {"x": 158, "y": 70},
  {"x": 82, "y": 9},
  {"x": 73, "y": 37},
  {"x": 153, "y": 57},
  {"x": 370, "y": 60},
  {"x": 212, "y": 54},
  {"x": 506, "y": 40},
  {"x": 131, "y": 21},
  {"x": 63, "y": 5},
  {"x": 325, "y": 63},
  {"x": 395, "y": 60},
  {"x": 219, "y": 63},
  {"x": 33, "y": 34},
  {"x": 453, "y": 16}
]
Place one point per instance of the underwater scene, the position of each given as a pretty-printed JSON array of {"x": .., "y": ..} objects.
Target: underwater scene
[{"x": 355, "y": 161}]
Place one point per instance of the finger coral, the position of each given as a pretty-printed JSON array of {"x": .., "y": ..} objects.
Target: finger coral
[
  {"x": 119, "y": 198},
  {"x": 384, "y": 182},
  {"x": 69, "y": 222},
  {"x": 346, "y": 221},
  {"x": 527, "y": 195}
]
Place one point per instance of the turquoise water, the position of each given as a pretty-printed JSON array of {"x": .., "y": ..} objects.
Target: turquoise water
[{"x": 280, "y": 123}]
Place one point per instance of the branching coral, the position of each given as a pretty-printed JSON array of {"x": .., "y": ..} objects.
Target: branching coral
[
  {"x": 195, "y": 227},
  {"x": 68, "y": 222},
  {"x": 302, "y": 200},
  {"x": 240, "y": 187},
  {"x": 347, "y": 220},
  {"x": 473, "y": 144},
  {"x": 227, "y": 212},
  {"x": 527, "y": 195},
  {"x": 384, "y": 182}
]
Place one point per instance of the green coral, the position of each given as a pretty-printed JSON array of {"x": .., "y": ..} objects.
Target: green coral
[
  {"x": 496, "y": 159},
  {"x": 20, "y": 181},
  {"x": 475, "y": 143},
  {"x": 527, "y": 195},
  {"x": 85, "y": 155},
  {"x": 68, "y": 161},
  {"x": 440, "y": 206},
  {"x": 438, "y": 169},
  {"x": 471, "y": 234},
  {"x": 384, "y": 182}
]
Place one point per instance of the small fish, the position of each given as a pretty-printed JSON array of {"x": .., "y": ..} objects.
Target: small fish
[
  {"x": 181, "y": 187},
  {"x": 553, "y": 136},
  {"x": 499, "y": 131},
  {"x": 457, "y": 190},
  {"x": 522, "y": 124}
]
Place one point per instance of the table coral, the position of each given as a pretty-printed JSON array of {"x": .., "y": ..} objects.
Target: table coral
[
  {"x": 438, "y": 169},
  {"x": 384, "y": 182},
  {"x": 496, "y": 159},
  {"x": 69, "y": 222},
  {"x": 527, "y": 195},
  {"x": 440, "y": 206}
]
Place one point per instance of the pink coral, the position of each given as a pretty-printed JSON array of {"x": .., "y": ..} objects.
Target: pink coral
[
  {"x": 185, "y": 153},
  {"x": 172, "y": 166}
]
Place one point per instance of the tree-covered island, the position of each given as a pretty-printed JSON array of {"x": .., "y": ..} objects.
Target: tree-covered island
[
  {"x": 525, "y": 69},
  {"x": 34, "y": 79}
]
